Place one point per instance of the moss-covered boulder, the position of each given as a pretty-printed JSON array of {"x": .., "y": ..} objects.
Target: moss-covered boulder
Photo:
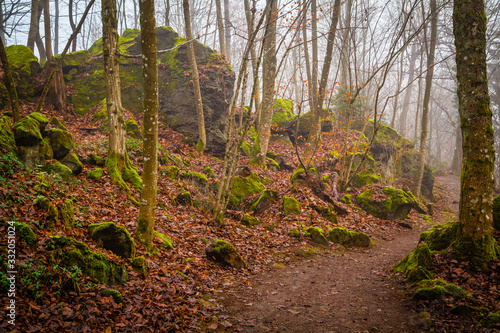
[
  {"x": 52, "y": 214},
  {"x": 389, "y": 203},
  {"x": 440, "y": 236},
  {"x": 112, "y": 237},
  {"x": 140, "y": 265},
  {"x": 347, "y": 199},
  {"x": 68, "y": 214},
  {"x": 291, "y": 205},
  {"x": 71, "y": 252},
  {"x": 73, "y": 163},
  {"x": 45, "y": 151},
  {"x": 496, "y": 213},
  {"x": 132, "y": 129},
  {"x": 317, "y": 235},
  {"x": 170, "y": 171},
  {"x": 224, "y": 253},
  {"x": 184, "y": 198},
  {"x": 246, "y": 148},
  {"x": 195, "y": 178},
  {"x": 27, "y": 132},
  {"x": 59, "y": 168},
  {"x": 282, "y": 114},
  {"x": 249, "y": 220},
  {"x": 364, "y": 178},
  {"x": 272, "y": 164},
  {"x": 57, "y": 123},
  {"x": 207, "y": 170},
  {"x": 434, "y": 289},
  {"x": 350, "y": 238},
  {"x": 282, "y": 162},
  {"x": 266, "y": 199},
  {"x": 491, "y": 320},
  {"x": 7, "y": 141},
  {"x": 25, "y": 234},
  {"x": 94, "y": 159},
  {"x": 96, "y": 174},
  {"x": 61, "y": 142},
  {"x": 299, "y": 176},
  {"x": 165, "y": 241},
  {"x": 386, "y": 142},
  {"x": 24, "y": 66},
  {"x": 416, "y": 265},
  {"x": 117, "y": 296},
  {"x": 243, "y": 187}
]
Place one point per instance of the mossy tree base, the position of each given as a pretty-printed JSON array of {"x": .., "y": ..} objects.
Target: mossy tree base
[{"x": 121, "y": 170}]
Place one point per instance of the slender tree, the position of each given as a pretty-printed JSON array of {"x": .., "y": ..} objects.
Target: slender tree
[
  {"x": 406, "y": 102},
  {"x": 72, "y": 23},
  {"x": 202, "y": 137},
  {"x": 34, "y": 22},
  {"x": 220, "y": 27},
  {"x": 474, "y": 238},
  {"x": 145, "y": 225},
  {"x": 250, "y": 17},
  {"x": 227, "y": 28},
  {"x": 48, "y": 38}
]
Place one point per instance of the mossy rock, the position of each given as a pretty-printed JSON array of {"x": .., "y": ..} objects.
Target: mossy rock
[
  {"x": 171, "y": 172},
  {"x": 347, "y": 199},
  {"x": 386, "y": 142},
  {"x": 317, "y": 236},
  {"x": 209, "y": 172},
  {"x": 416, "y": 265},
  {"x": 27, "y": 132},
  {"x": 496, "y": 213},
  {"x": 224, "y": 253},
  {"x": 112, "y": 237},
  {"x": 166, "y": 242},
  {"x": 94, "y": 159},
  {"x": 7, "y": 140},
  {"x": 249, "y": 220},
  {"x": 366, "y": 162},
  {"x": 45, "y": 151},
  {"x": 435, "y": 289},
  {"x": 117, "y": 296},
  {"x": 244, "y": 187},
  {"x": 52, "y": 214},
  {"x": 71, "y": 252},
  {"x": 282, "y": 114},
  {"x": 467, "y": 310},
  {"x": 26, "y": 234},
  {"x": 61, "y": 142},
  {"x": 396, "y": 205},
  {"x": 441, "y": 236},
  {"x": 197, "y": 178},
  {"x": 68, "y": 214},
  {"x": 493, "y": 319},
  {"x": 132, "y": 129},
  {"x": 140, "y": 265},
  {"x": 328, "y": 213},
  {"x": 291, "y": 205},
  {"x": 298, "y": 176},
  {"x": 294, "y": 233},
  {"x": 272, "y": 165},
  {"x": 184, "y": 198},
  {"x": 41, "y": 119},
  {"x": 96, "y": 174},
  {"x": 59, "y": 168},
  {"x": 266, "y": 199},
  {"x": 73, "y": 163},
  {"x": 24, "y": 66},
  {"x": 57, "y": 123},
  {"x": 364, "y": 178},
  {"x": 350, "y": 238}
]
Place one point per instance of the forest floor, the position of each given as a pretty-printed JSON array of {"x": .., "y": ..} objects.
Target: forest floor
[{"x": 352, "y": 291}]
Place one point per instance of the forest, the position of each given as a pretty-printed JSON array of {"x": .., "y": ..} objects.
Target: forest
[{"x": 250, "y": 166}]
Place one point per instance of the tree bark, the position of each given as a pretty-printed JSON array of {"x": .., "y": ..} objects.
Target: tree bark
[
  {"x": 9, "y": 83},
  {"x": 56, "y": 28},
  {"x": 406, "y": 103},
  {"x": 474, "y": 237},
  {"x": 145, "y": 225},
  {"x": 72, "y": 23},
  {"x": 427, "y": 97},
  {"x": 261, "y": 144},
  {"x": 117, "y": 161},
  {"x": 48, "y": 38},
  {"x": 202, "y": 137},
  {"x": 250, "y": 16},
  {"x": 34, "y": 25},
  {"x": 167, "y": 13},
  {"x": 220, "y": 26},
  {"x": 227, "y": 28}
]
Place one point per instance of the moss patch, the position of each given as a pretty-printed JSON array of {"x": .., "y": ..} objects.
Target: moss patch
[
  {"x": 416, "y": 264},
  {"x": 57, "y": 123},
  {"x": 397, "y": 204},
  {"x": 265, "y": 200},
  {"x": 317, "y": 236},
  {"x": 61, "y": 142},
  {"x": 117, "y": 296},
  {"x": 184, "y": 198},
  {"x": 94, "y": 159},
  {"x": 209, "y": 172},
  {"x": 27, "y": 132},
  {"x": 113, "y": 237},
  {"x": 434, "y": 289},
  {"x": 132, "y": 129},
  {"x": 244, "y": 187},
  {"x": 73, "y": 163},
  {"x": 350, "y": 238},
  {"x": 7, "y": 141},
  {"x": 166, "y": 242},
  {"x": 291, "y": 205},
  {"x": 68, "y": 214},
  {"x": 25, "y": 234},
  {"x": 52, "y": 214},
  {"x": 171, "y": 172},
  {"x": 140, "y": 265},
  {"x": 364, "y": 178},
  {"x": 249, "y": 220},
  {"x": 491, "y": 320},
  {"x": 59, "y": 168},
  {"x": 96, "y": 174}
]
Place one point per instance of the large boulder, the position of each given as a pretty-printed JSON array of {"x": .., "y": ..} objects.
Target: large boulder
[
  {"x": 61, "y": 142},
  {"x": 388, "y": 203},
  {"x": 224, "y": 253},
  {"x": 112, "y": 237},
  {"x": 243, "y": 187},
  {"x": 386, "y": 142},
  {"x": 266, "y": 199},
  {"x": 84, "y": 71}
]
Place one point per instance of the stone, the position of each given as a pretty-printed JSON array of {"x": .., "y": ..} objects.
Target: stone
[
  {"x": 57, "y": 123},
  {"x": 117, "y": 296},
  {"x": 59, "y": 168},
  {"x": 184, "y": 198},
  {"x": 350, "y": 238},
  {"x": 73, "y": 163},
  {"x": 249, "y": 220},
  {"x": 94, "y": 159},
  {"x": 317, "y": 235},
  {"x": 224, "y": 253},
  {"x": 272, "y": 165},
  {"x": 96, "y": 174},
  {"x": 7, "y": 140},
  {"x": 266, "y": 199},
  {"x": 244, "y": 187},
  {"x": 283, "y": 164},
  {"x": 61, "y": 142},
  {"x": 364, "y": 178},
  {"x": 209, "y": 172},
  {"x": 27, "y": 132},
  {"x": 291, "y": 205},
  {"x": 434, "y": 289},
  {"x": 26, "y": 234},
  {"x": 170, "y": 171},
  {"x": 115, "y": 238},
  {"x": 491, "y": 320},
  {"x": 68, "y": 214},
  {"x": 52, "y": 214},
  {"x": 140, "y": 265}
]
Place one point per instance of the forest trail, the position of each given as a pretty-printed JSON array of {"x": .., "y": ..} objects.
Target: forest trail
[{"x": 349, "y": 292}]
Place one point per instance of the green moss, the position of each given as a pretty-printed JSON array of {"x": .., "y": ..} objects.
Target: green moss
[
  {"x": 244, "y": 187},
  {"x": 467, "y": 310},
  {"x": 283, "y": 112},
  {"x": 140, "y": 265},
  {"x": 328, "y": 213},
  {"x": 61, "y": 142},
  {"x": 267, "y": 181},
  {"x": 72, "y": 162},
  {"x": 96, "y": 174},
  {"x": 434, "y": 289},
  {"x": 200, "y": 147},
  {"x": 364, "y": 178},
  {"x": 317, "y": 235},
  {"x": 195, "y": 176},
  {"x": 132, "y": 129},
  {"x": 74, "y": 59},
  {"x": 120, "y": 170},
  {"x": 272, "y": 164},
  {"x": 265, "y": 200},
  {"x": 416, "y": 265},
  {"x": 166, "y": 241},
  {"x": 222, "y": 247},
  {"x": 491, "y": 320},
  {"x": 294, "y": 233},
  {"x": 25, "y": 234},
  {"x": 94, "y": 159},
  {"x": 117, "y": 296},
  {"x": 350, "y": 238},
  {"x": 7, "y": 141},
  {"x": 41, "y": 119},
  {"x": 45, "y": 150},
  {"x": 171, "y": 172},
  {"x": 396, "y": 206},
  {"x": 58, "y": 168},
  {"x": 21, "y": 59},
  {"x": 52, "y": 214},
  {"x": 479, "y": 252},
  {"x": 249, "y": 220},
  {"x": 115, "y": 238},
  {"x": 291, "y": 205},
  {"x": 441, "y": 236},
  {"x": 209, "y": 172},
  {"x": 246, "y": 148},
  {"x": 184, "y": 198},
  {"x": 346, "y": 199},
  {"x": 27, "y": 132},
  {"x": 296, "y": 173},
  {"x": 68, "y": 214}
]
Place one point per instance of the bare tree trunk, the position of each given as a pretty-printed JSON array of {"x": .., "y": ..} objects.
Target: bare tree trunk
[
  {"x": 398, "y": 90},
  {"x": 202, "y": 137},
  {"x": 220, "y": 26},
  {"x": 136, "y": 19},
  {"x": 406, "y": 102},
  {"x": 9, "y": 83},
  {"x": 474, "y": 238},
  {"x": 56, "y": 28},
  {"x": 117, "y": 162},
  {"x": 34, "y": 24},
  {"x": 427, "y": 97},
  {"x": 72, "y": 23},
  {"x": 227, "y": 30},
  {"x": 146, "y": 222},
  {"x": 456, "y": 164},
  {"x": 167, "y": 13},
  {"x": 250, "y": 16},
  {"x": 259, "y": 149},
  {"x": 345, "y": 44}
]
